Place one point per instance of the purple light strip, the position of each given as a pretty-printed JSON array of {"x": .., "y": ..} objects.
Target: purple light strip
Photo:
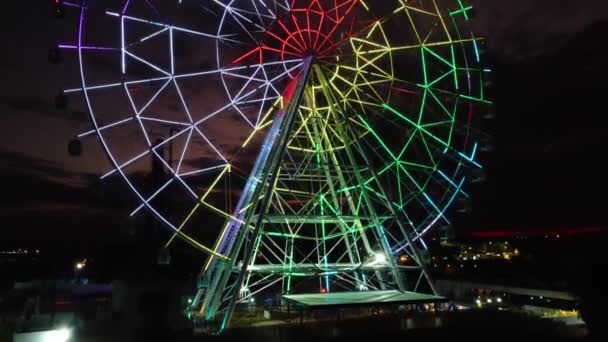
[
  {"x": 97, "y": 48},
  {"x": 125, "y": 7},
  {"x": 71, "y": 4}
]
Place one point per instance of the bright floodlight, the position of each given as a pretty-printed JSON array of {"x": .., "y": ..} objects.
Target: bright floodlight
[
  {"x": 79, "y": 265},
  {"x": 60, "y": 335},
  {"x": 380, "y": 258}
]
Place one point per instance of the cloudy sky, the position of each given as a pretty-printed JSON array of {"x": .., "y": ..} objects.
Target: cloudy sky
[{"x": 41, "y": 178}]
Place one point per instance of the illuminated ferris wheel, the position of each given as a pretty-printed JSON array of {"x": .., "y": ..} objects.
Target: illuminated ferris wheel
[{"x": 311, "y": 143}]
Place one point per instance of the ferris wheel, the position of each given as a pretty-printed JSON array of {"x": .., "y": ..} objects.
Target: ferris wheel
[{"x": 300, "y": 144}]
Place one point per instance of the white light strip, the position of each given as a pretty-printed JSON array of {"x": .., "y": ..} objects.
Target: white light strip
[
  {"x": 111, "y": 85},
  {"x": 107, "y": 149},
  {"x": 227, "y": 70},
  {"x": 168, "y": 122},
  {"x": 122, "y": 166},
  {"x": 181, "y": 158},
  {"x": 155, "y": 23},
  {"x": 181, "y": 97},
  {"x": 186, "y": 186},
  {"x": 75, "y": 90},
  {"x": 196, "y": 172},
  {"x": 210, "y": 144},
  {"x": 147, "y": 201},
  {"x": 171, "y": 53},
  {"x": 147, "y": 63},
  {"x": 82, "y": 135},
  {"x": 153, "y": 35},
  {"x": 152, "y": 99}
]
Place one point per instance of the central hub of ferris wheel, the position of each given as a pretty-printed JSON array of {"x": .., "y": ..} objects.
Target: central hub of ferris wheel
[{"x": 310, "y": 29}]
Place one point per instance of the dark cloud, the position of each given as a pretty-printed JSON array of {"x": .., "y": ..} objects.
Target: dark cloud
[
  {"x": 47, "y": 202},
  {"x": 54, "y": 171},
  {"x": 41, "y": 106},
  {"x": 518, "y": 29}
]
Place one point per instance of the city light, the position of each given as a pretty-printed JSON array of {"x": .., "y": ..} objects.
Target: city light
[
  {"x": 498, "y": 300},
  {"x": 80, "y": 265}
]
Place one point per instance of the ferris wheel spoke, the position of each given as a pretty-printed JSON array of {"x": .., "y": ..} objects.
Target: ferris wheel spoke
[
  {"x": 285, "y": 5},
  {"x": 183, "y": 154},
  {"x": 138, "y": 111},
  {"x": 417, "y": 126},
  {"x": 210, "y": 144},
  {"x": 103, "y": 128},
  {"x": 148, "y": 37},
  {"x": 242, "y": 13},
  {"x": 249, "y": 78},
  {"x": 234, "y": 69},
  {"x": 166, "y": 26},
  {"x": 235, "y": 107},
  {"x": 268, "y": 16},
  {"x": 200, "y": 171},
  {"x": 183, "y": 101},
  {"x": 90, "y": 48},
  {"x": 117, "y": 84},
  {"x": 160, "y": 158},
  {"x": 243, "y": 97},
  {"x": 235, "y": 15},
  {"x": 157, "y": 68},
  {"x": 391, "y": 154},
  {"x": 149, "y": 199},
  {"x": 126, "y": 164},
  {"x": 166, "y": 122},
  {"x": 424, "y": 229},
  {"x": 452, "y": 183},
  {"x": 261, "y": 108}
]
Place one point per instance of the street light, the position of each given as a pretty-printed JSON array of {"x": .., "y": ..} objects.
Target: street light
[{"x": 80, "y": 265}]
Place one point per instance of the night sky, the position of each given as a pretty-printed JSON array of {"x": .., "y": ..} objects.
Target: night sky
[{"x": 547, "y": 170}]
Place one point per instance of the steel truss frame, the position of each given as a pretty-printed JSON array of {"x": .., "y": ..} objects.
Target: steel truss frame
[{"x": 308, "y": 212}]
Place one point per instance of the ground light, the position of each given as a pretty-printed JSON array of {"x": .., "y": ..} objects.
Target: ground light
[
  {"x": 58, "y": 335},
  {"x": 80, "y": 265}
]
